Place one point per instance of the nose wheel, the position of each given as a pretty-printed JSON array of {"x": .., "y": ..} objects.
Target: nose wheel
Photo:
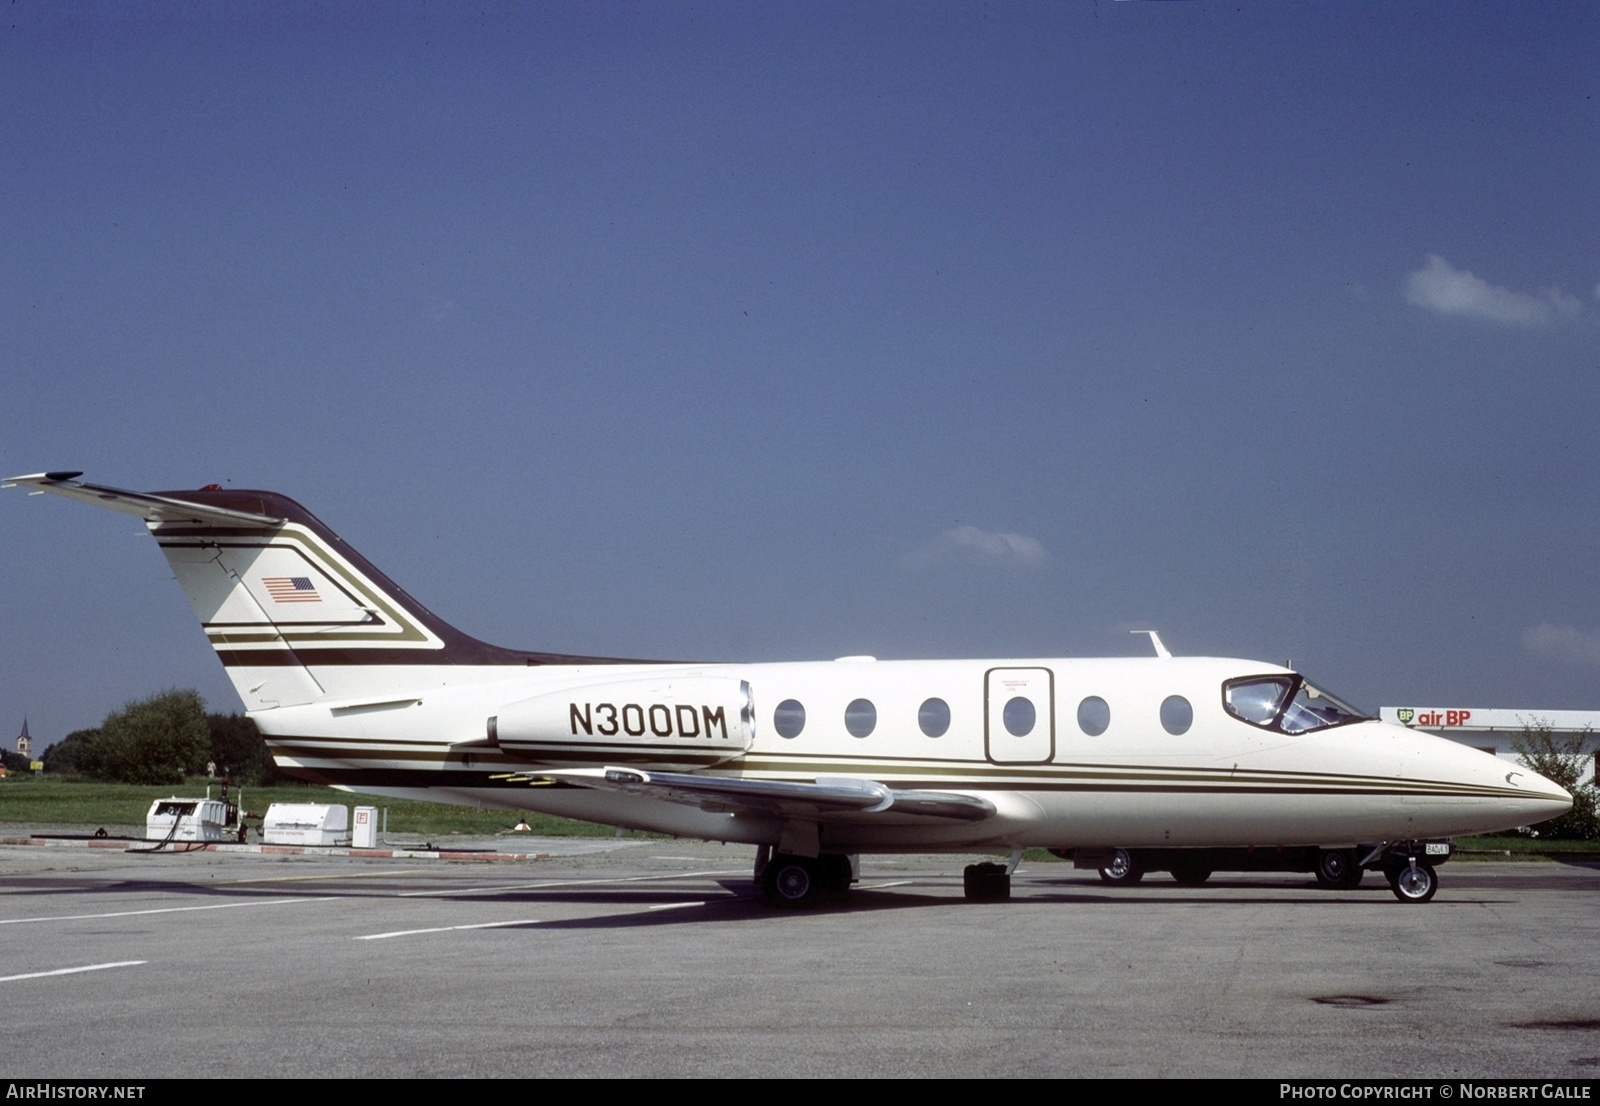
[{"x": 1413, "y": 882}]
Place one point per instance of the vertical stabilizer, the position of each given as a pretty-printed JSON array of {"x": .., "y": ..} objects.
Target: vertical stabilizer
[{"x": 294, "y": 613}]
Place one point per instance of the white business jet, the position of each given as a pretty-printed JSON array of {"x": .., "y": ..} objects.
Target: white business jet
[{"x": 356, "y": 685}]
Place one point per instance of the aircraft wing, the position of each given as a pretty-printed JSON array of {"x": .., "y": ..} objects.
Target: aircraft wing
[
  {"x": 151, "y": 508},
  {"x": 733, "y": 794}
]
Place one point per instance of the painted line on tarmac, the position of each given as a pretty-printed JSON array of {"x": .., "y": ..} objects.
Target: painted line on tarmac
[
  {"x": 675, "y": 905},
  {"x": 548, "y": 883},
  {"x": 343, "y": 875},
  {"x": 73, "y": 971},
  {"x": 443, "y": 929},
  {"x": 163, "y": 910}
]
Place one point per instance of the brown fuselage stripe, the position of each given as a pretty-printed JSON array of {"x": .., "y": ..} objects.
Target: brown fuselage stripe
[{"x": 475, "y": 780}]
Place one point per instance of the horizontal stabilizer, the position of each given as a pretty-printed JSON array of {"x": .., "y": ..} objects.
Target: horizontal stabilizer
[{"x": 151, "y": 508}]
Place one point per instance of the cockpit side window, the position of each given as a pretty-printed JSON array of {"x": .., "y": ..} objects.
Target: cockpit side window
[
  {"x": 1257, "y": 701},
  {"x": 1288, "y": 704}
]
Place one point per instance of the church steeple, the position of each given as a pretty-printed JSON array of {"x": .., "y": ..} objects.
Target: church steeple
[{"x": 24, "y": 742}]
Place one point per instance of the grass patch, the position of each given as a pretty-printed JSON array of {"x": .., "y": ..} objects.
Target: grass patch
[
  {"x": 89, "y": 803},
  {"x": 1520, "y": 847}
]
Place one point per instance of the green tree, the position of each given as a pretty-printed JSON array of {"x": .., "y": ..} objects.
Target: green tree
[
  {"x": 237, "y": 748},
  {"x": 78, "y": 753},
  {"x": 1563, "y": 759},
  {"x": 157, "y": 740}
]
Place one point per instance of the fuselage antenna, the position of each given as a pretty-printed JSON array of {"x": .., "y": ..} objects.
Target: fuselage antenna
[{"x": 1155, "y": 640}]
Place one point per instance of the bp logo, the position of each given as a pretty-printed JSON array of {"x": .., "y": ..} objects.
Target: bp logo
[{"x": 1405, "y": 714}]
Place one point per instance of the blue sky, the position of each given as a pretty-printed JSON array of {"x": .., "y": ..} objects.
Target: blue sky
[{"x": 788, "y": 331}]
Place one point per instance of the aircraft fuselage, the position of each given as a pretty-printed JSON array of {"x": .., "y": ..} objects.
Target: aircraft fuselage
[{"x": 1221, "y": 781}]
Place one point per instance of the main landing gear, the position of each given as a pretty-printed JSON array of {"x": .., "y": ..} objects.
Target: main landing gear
[
  {"x": 789, "y": 880},
  {"x": 986, "y": 882},
  {"x": 989, "y": 882}
]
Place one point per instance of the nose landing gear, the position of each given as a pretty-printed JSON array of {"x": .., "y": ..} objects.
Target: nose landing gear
[{"x": 1412, "y": 882}]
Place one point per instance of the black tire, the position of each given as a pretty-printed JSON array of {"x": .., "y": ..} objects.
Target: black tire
[
  {"x": 1191, "y": 875},
  {"x": 986, "y": 882},
  {"x": 1339, "y": 868},
  {"x": 1413, "y": 883},
  {"x": 1124, "y": 868},
  {"x": 837, "y": 873},
  {"x": 792, "y": 880}
]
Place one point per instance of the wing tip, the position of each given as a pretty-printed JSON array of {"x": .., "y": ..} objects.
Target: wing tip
[{"x": 59, "y": 477}]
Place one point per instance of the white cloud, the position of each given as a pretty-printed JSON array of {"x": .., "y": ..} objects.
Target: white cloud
[
  {"x": 1567, "y": 306},
  {"x": 967, "y": 545},
  {"x": 1440, "y": 287},
  {"x": 1562, "y": 643}
]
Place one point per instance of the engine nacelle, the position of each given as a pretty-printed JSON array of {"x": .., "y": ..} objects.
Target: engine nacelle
[{"x": 681, "y": 722}]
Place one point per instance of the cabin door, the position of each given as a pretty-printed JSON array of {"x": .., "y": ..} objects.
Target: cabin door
[{"x": 1019, "y": 715}]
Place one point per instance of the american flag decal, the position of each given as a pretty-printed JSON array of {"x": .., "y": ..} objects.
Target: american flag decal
[{"x": 291, "y": 589}]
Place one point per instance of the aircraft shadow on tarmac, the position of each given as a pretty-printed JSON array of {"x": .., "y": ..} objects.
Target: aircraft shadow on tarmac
[
  {"x": 741, "y": 900},
  {"x": 691, "y": 898}
]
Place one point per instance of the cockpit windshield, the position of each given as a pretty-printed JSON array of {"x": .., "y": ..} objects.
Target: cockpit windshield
[{"x": 1288, "y": 704}]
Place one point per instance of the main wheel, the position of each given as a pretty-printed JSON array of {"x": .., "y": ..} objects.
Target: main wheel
[
  {"x": 1414, "y": 883},
  {"x": 837, "y": 872},
  {"x": 986, "y": 882},
  {"x": 1124, "y": 868},
  {"x": 1338, "y": 868},
  {"x": 792, "y": 880}
]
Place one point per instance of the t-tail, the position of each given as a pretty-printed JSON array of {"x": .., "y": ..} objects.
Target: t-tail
[{"x": 296, "y": 615}]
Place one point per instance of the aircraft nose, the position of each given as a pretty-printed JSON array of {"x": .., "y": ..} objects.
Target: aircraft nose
[
  {"x": 1543, "y": 798},
  {"x": 1512, "y": 793}
]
